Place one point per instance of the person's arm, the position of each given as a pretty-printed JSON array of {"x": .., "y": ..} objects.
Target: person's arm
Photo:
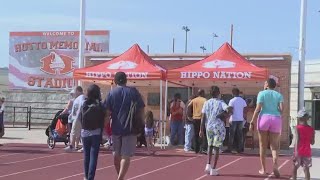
[
  {"x": 313, "y": 138},
  {"x": 255, "y": 115},
  {"x": 202, "y": 125},
  {"x": 2, "y": 108},
  {"x": 189, "y": 110},
  {"x": 296, "y": 142},
  {"x": 281, "y": 104},
  {"x": 69, "y": 106}
]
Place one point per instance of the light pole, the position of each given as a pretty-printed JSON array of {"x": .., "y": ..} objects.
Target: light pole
[
  {"x": 214, "y": 35},
  {"x": 203, "y": 48},
  {"x": 303, "y": 15},
  {"x": 186, "y": 28},
  {"x": 82, "y": 34}
]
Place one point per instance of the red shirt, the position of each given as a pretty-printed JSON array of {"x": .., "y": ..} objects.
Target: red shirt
[
  {"x": 176, "y": 111},
  {"x": 305, "y": 137}
]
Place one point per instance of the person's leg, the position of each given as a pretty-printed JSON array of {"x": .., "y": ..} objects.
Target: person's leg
[
  {"x": 180, "y": 133},
  {"x": 196, "y": 138},
  {"x": 173, "y": 131},
  {"x": 127, "y": 151},
  {"x": 204, "y": 140},
  {"x": 210, "y": 149},
  {"x": 306, "y": 173},
  {"x": 275, "y": 146},
  {"x": 239, "y": 132},
  {"x": 216, "y": 157},
  {"x": 294, "y": 171},
  {"x": 186, "y": 137},
  {"x": 263, "y": 143},
  {"x": 232, "y": 131},
  {"x": 94, "y": 153},
  {"x": 86, "y": 152},
  {"x": 117, "y": 143}
]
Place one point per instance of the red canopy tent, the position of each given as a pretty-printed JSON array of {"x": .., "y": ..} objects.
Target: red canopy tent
[
  {"x": 226, "y": 64},
  {"x": 141, "y": 70},
  {"x": 134, "y": 62}
]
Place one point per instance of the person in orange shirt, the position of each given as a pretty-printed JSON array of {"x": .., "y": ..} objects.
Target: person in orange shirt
[{"x": 196, "y": 106}]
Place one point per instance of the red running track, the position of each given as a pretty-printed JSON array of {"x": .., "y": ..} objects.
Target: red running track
[{"x": 30, "y": 161}]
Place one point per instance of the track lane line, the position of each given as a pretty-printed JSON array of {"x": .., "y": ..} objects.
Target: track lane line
[{"x": 283, "y": 164}]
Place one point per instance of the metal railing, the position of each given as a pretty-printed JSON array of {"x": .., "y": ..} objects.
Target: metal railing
[{"x": 24, "y": 117}]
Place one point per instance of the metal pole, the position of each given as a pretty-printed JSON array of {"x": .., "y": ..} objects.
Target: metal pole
[
  {"x": 161, "y": 115},
  {"x": 82, "y": 33},
  {"x": 173, "y": 45},
  {"x": 148, "y": 49},
  {"x": 231, "y": 34},
  {"x": 165, "y": 111},
  {"x": 303, "y": 15},
  {"x": 186, "y": 42}
]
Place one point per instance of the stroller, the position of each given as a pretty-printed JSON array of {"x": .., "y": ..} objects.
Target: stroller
[{"x": 53, "y": 135}]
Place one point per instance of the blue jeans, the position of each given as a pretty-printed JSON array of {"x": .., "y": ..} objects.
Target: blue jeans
[
  {"x": 176, "y": 128},
  {"x": 189, "y": 135},
  {"x": 91, "y": 146}
]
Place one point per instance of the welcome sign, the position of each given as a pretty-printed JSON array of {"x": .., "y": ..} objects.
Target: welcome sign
[{"x": 46, "y": 60}]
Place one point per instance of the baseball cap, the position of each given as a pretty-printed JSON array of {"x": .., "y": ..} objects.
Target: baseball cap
[
  {"x": 72, "y": 91},
  {"x": 303, "y": 114}
]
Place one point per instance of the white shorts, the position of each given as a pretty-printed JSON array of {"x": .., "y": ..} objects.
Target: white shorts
[{"x": 76, "y": 129}]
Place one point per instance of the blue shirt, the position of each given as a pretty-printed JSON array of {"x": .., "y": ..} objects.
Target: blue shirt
[
  {"x": 118, "y": 102},
  {"x": 270, "y": 101}
]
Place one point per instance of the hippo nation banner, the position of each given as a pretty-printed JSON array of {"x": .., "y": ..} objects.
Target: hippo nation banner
[{"x": 46, "y": 60}]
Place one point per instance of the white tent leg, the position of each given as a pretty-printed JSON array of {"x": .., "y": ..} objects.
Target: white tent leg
[
  {"x": 161, "y": 115},
  {"x": 165, "y": 111}
]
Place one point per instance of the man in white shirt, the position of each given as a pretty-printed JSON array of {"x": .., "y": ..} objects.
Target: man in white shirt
[{"x": 236, "y": 121}]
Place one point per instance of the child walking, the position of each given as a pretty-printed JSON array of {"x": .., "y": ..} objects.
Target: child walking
[
  {"x": 149, "y": 132},
  {"x": 302, "y": 151},
  {"x": 212, "y": 122}
]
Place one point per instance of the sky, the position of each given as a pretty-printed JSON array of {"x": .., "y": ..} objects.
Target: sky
[{"x": 260, "y": 26}]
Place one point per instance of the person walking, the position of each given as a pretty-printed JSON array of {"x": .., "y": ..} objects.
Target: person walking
[
  {"x": 189, "y": 128},
  {"x": 75, "y": 133},
  {"x": 236, "y": 121},
  {"x": 118, "y": 104},
  {"x": 214, "y": 126},
  {"x": 269, "y": 123},
  {"x": 92, "y": 116}
]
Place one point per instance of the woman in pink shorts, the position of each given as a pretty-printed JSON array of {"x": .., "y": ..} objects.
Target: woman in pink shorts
[{"x": 268, "y": 112}]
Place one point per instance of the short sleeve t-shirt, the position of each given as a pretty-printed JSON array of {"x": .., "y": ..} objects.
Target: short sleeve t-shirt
[
  {"x": 211, "y": 109},
  {"x": 270, "y": 100},
  {"x": 118, "y": 102},
  {"x": 305, "y": 136},
  {"x": 238, "y": 105},
  {"x": 197, "y": 105},
  {"x": 77, "y": 104}
]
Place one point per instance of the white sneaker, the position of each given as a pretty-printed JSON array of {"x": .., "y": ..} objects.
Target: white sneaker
[
  {"x": 208, "y": 168},
  {"x": 214, "y": 172},
  {"x": 69, "y": 149},
  {"x": 80, "y": 150}
]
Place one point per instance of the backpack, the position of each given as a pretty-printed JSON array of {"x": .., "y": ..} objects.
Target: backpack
[
  {"x": 134, "y": 119},
  {"x": 92, "y": 115}
]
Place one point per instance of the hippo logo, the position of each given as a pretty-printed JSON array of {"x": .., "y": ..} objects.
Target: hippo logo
[
  {"x": 56, "y": 64},
  {"x": 219, "y": 64},
  {"x": 123, "y": 65}
]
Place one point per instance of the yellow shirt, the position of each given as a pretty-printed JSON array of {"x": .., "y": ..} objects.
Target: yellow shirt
[{"x": 197, "y": 104}]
